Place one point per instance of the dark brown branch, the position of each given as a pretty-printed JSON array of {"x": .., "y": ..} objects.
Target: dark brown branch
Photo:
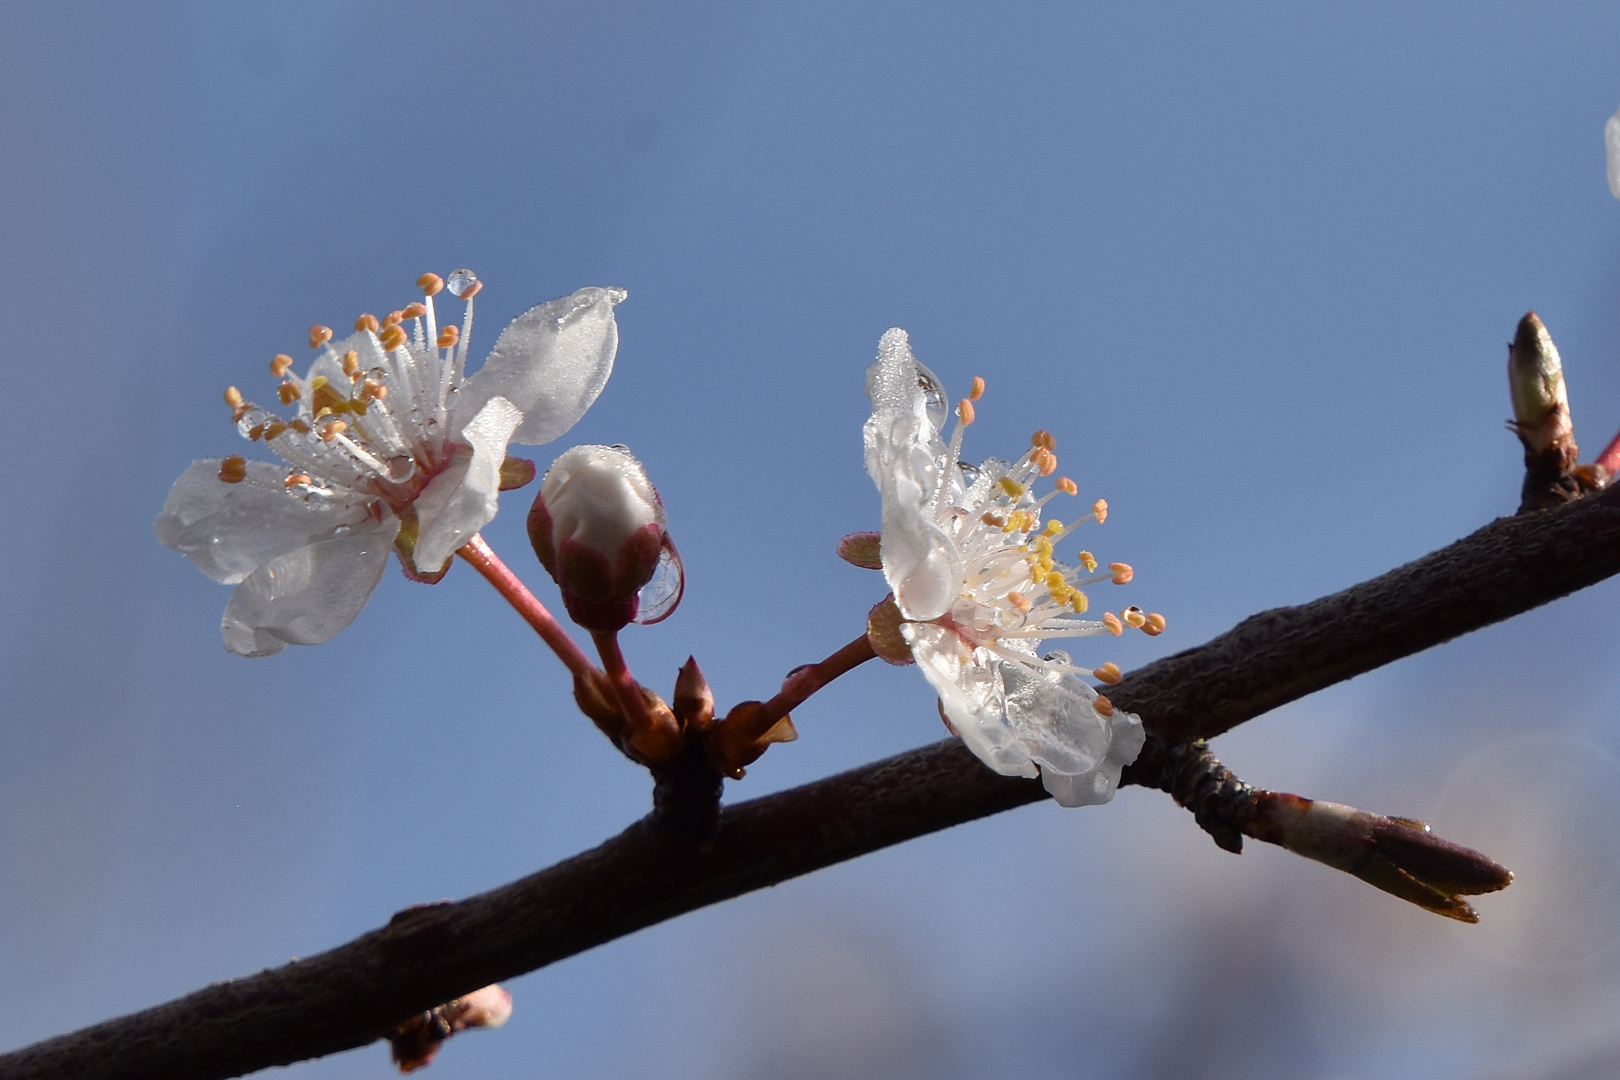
[{"x": 356, "y": 992}]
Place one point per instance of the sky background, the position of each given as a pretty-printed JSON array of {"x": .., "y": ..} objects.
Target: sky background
[{"x": 1254, "y": 267}]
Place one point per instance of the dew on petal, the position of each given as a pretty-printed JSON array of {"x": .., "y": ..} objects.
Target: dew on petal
[
  {"x": 658, "y": 598},
  {"x": 400, "y": 468}
]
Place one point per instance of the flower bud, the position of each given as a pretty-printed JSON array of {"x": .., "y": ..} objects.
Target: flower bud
[
  {"x": 598, "y": 527},
  {"x": 416, "y": 1042},
  {"x": 1540, "y": 400}
]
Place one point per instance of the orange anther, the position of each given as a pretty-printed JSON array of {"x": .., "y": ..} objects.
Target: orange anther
[
  {"x": 393, "y": 318},
  {"x": 233, "y": 470},
  {"x": 1154, "y": 625},
  {"x": 1108, "y": 673},
  {"x": 288, "y": 392},
  {"x": 333, "y": 430},
  {"x": 448, "y": 337},
  {"x": 472, "y": 290},
  {"x": 991, "y": 520},
  {"x": 1048, "y": 463},
  {"x": 366, "y": 322},
  {"x": 1067, "y": 486},
  {"x": 273, "y": 428},
  {"x": 281, "y": 365},
  {"x": 298, "y": 478},
  {"x": 319, "y": 335},
  {"x": 1122, "y": 572},
  {"x": 233, "y": 397},
  {"x": 1103, "y": 706},
  {"x": 351, "y": 365},
  {"x": 254, "y": 432},
  {"x": 1099, "y": 510},
  {"x": 1111, "y": 621},
  {"x": 1134, "y": 618},
  {"x": 392, "y": 337},
  {"x": 430, "y": 284},
  {"x": 299, "y": 426},
  {"x": 1043, "y": 439},
  {"x": 976, "y": 391},
  {"x": 1020, "y": 601},
  {"x": 964, "y": 411},
  {"x": 372, "y": 390},
  {"x": 414, "y": 311}
]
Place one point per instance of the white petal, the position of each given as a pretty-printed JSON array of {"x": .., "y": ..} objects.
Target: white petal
[
  {"x": 1080, "y": 751},
  {"x": 230, "y": 530},
  {"x": 551, "y": 362},
  {"x": 464, "y": 498},
  {"x": 1611, "y": 141},
  {"x": 971, "y": 693},
  {"x": 307, "y": 595}
]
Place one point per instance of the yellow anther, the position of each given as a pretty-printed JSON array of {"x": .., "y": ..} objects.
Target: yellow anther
[
  {"x": 288, "y": 393},
  {"x": 1103, "y": 706},
  {"x": 1108, "y": 673},
  {"x": 1012, "y": 487},
  {"x": 430, "y": 284},
  {"x": 299, "y": 426},
  {"x": 298, "y": 478},
  {"x": 1054, "y": 527},
  {"x": 366, "y": 322},
  {"x": 976, "y": 391},
  {"x": 333, "y": 430},
  {"x": 964, "y": 411},
  {"x": 1043, "y": 439},
  {"x": 273, "y": 429},
  {"x": 1111, "y": 621},
  {"x": 351, "y": 365},
  {"x": 233, "y": 397},
  {"x": 281, "y": 365},
  {"x": 233, "y": 470},
  {"x": 448, "y": 337},
  {"x": 1099, "y": 510},
  {"x": 319, "y": 381},
  {"x": 1043, "y": 547},
  {"x": 1067, "y": 486},
  {"x": 319, "y": 335},
  {"x": 1020, "y": 601},
  {"x": 1154, "y": 626},
  {"x": 392, "y": 337},
  {"x": 1134, "y": 618},
  {"x": 1055, "y": 582},
  {"x": 1079, "y": 602},
  {"x": 1089, "y": 561},
  {"x": 1122, "y": 572},
  {"x": 414, "y": 311}
]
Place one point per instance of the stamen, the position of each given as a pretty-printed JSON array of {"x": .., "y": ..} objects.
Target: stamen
[
  {"x": 430, "y": 284},
  {"x": 1099, "y": 510},
  {"x": 233, "y": 470},
  {"x": 273, "y": 429},
  {"x": 1089, "y": 561},
  {"x": 351, "y": 365},
  {"x": 1079, "y": 603},
  {"x": 372, "y": 390},
  {"x": 1108, "y": 673},
  {"x": 1019, "y": 601},
  {"x": 1047, "y": 462},
  {"x": 992, "y": 520},
  {"x": 298, "y": 478},
  {"x": 233, "y": 397},
  {"x": 299, "y": 426},
  {"x": 288, "y": 392},
  {"x": 414, "y": 311},
  {"x": 1103, "y": 706},
  {"x": 1134, "y": 618},
  {"x": 1122, "y": 572},
  {"x": 976, "y": 391},
  {"x": 1013, "y": 488},
  {"x": 1154, "y": 626},
  {"x": 319, "y": 335},
  {"x": 366, "y": 322},
  {"x": 333, "y": 430},
  {"x": 1111, "y": 621},
  {"x": 964, "y": 411},
  {"x": 1043, "y": 440},
  {"x": 281, "y": 365},
  {"x": 1067, "y": 486},
  {"x": 392, "y": 337},
  {"x": 393, "y": 318}
]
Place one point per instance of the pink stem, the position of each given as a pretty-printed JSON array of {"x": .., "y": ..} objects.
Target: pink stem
[
  {"x": 1609, "y": 460},
  {"x": 807, "y": 680},
  {"x": 478, "y": 552},
  {"x": 625, "y": 687}
]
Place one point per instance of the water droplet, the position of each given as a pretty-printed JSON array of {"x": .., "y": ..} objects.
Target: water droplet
[
  {"x": 933, "y": 396},
  {"x": 400, "y": 468},
  {"x": 460, "y": 282},
  {"x": 1058, "y": 656},
  {"x": 340, "y": 530},
  {"x": 802, "y": 667},
  {"x": 620, "y": 447},
  {"x": 659, "y": 597},
  {"x": 970, "y": 473}
]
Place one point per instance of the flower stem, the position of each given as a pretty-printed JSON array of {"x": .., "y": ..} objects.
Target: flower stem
[
  {"x": 478, "y": 552},
  {"x": 812, "y": 677},
  {"x": 625, "y": 687},
  {"x": 1609, "y": 460}
]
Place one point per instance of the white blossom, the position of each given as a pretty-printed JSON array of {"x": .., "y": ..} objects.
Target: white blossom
[
  {"x": 389, "y": 445},
  {"x": 973, "y": 574}
]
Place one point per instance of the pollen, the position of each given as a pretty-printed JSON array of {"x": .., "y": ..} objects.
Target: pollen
[
  {"x": 448, "y": 337},
  {"x": 1103, "y": 706},
  {"x": 233, "y": 470},
  {"x": 1099, "y": 510},
  {"x": 298, "y": 478},
  {"x": 281, "y": 365},
  {"x": 1111, "y": 621},
  {"x": 366, "y": 322},
  {"x": 430, "y": 284},
  {"x": 1108, "y": 673},
  {"x": 1154, "y": 625},
  {"x": 414, "y": 311},
  {"x": 976, "y": 391},
  {"x": 1122, "y": 572},
  {"x": 1020, "y": 601},
  {"x": 392, "y": 338},
  {"x": 964, "y": 411},
  {"x": 1134, "y": 618},
  {"x": 1089, "y": 561},
  {"x": 233, "y": 397},
  {"x": 1067, "y": 486},
  {"x": 319, "y": 335}
]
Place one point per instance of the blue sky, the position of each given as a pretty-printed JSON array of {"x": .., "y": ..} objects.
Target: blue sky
[{"x": 1253, "y": 266}]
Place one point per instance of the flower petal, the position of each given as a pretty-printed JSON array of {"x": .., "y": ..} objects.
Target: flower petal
[
  {"x": 970, "y": 694},
  {"x": 230, "y": 530},
  {"x": 551, "y": 362},
  {"x": 307, "y": 595},
  {"x": 1080, "y": 751},
  {"x": 464, "y": 498}
]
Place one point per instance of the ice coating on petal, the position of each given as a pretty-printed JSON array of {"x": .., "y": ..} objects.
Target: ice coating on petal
[
  {"x": 1611, "y": 142},
  {"x": 464, "y": 498},
  {"x": 307, "y": 595},
  {"x": 904, "y": 455},
  {"x": 230, "y": 530},
  {"x": 971, "y": 693},
  {"x": 551, "y": 363}
]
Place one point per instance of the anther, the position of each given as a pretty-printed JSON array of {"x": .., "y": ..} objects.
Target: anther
[
  {"x": 1103, "y": 706},
  {"x": 273, "y": 429},
  {"x": 1134, "y": 618},
  {"x": 366, "y": 322},
  {"x": 1099, "y": 510},
  {"x": 298, "y": 478},
  {"x": 1122, "y": 572},
  {"x": 1154, "y": 625},
  {"x": 1067, "y": 486},
  {"x": 976, "y": 391},
  {"x": 448, "y": 337},
  {"x": 351, "y": 365},
  {"x": 233, "y": 397},
  {"x": 394, "y": 318},
  {"x": 1089, "y": 561},
  {"x": 1111, "y": 621},
  {"x": 254, "y": 432},
  {"x": 414, "y": 311},
  {"x": 1108, "y": 673},
  {"x": 1043, "y": 439},
  {"x": 372, "y": 390},
  {"x": 1012, "y": 487},
  {"x": 233, "y": 470},
  {"x": 392, "y": 337},
  {"x": 299, "y": 426},
  {"x": 1079, "y": 603},
  {"x": 964, "y": 411},
  {"x": 1047, "y": 462},
  {"x": 333, "y": 430},
  {"x": 288, "y": 393},
  {"x": 1020, "y": 601},
  {"x": 430, "y": 284},
  {"x": 991, "y": 520},
  {"x": 471, "y": 290},
  {"x": 1054, "y": 527},
  {"x": 319, "y": 335},
  {"x": 281, "y": 365}
]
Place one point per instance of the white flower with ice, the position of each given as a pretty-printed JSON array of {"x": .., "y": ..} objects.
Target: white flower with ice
[
  {"x": 974, "y": 578},
  {"x": 389, "y": 445}
]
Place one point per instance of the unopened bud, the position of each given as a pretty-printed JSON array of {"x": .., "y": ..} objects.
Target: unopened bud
[
  {"x": 417, "y": 1040},
  {"x": 598, "y": 527},
  {"x": 694, "y": 701},
  {"x": 861, "y": 549},
  {"x": 1540, "y": 401}
]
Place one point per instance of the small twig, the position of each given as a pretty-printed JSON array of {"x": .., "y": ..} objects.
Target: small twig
[
  {"x": 805, "y": 681},
  {"x": 478, "y": 552}
]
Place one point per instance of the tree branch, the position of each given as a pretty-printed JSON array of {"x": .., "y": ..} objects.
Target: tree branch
[{"x": 353, "y": 994}]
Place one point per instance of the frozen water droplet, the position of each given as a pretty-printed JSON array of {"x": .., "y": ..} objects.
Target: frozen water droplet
[
  {"x": 802, "y": 667},
  {"x": 659, "y": 597},
  {"x": 340, "y": 530},
  {"x": 460, "y": 282},
  {"x": 1058, "y": 656},
  {"x": 620, "y": 447},
  {"x": 970, "y": 473},
  {"x": 933, "y": 396},
  {"x": 400, "y": 468}
]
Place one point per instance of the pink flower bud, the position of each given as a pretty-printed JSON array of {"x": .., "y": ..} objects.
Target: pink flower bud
[{"x": 598, "y": 527}]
